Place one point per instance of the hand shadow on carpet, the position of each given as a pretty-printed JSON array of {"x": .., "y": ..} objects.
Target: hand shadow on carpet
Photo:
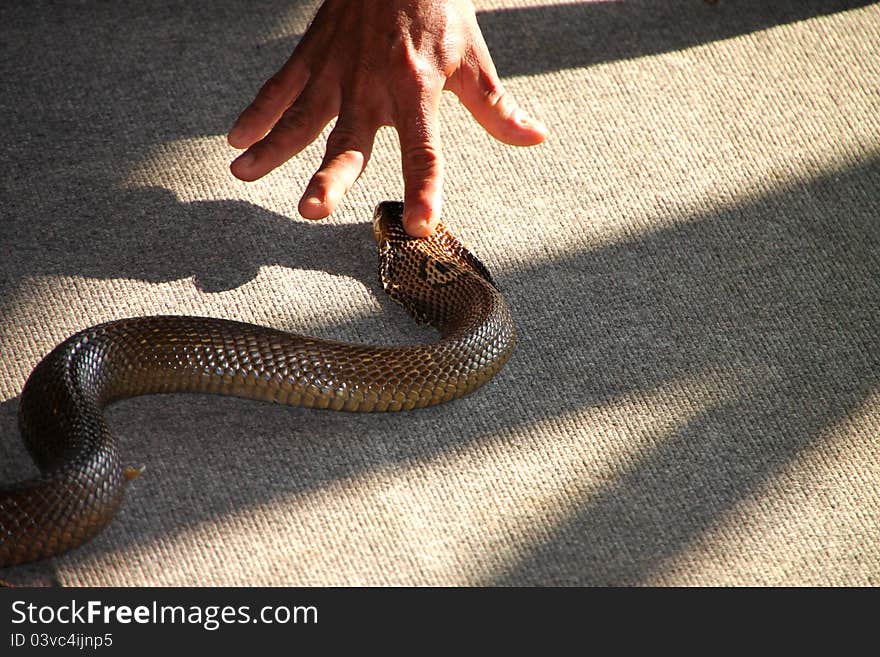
[
  {"x": 778, "y": 295},
  {"x": 785, "y": 284}
]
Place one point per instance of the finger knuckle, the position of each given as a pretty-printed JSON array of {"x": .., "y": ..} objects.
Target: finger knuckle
[
  {"x": 344, "y": 138},
  {"x": 292, "y": 121},
  {"x": 413, "y": 70},
  {"x": 423, "y": 159},
  {"x": 320, "y": 182},
  {"x": 273, "y": 90},
  {"x": 253, "y": 113},
  {"x": 490, "y": 88}
]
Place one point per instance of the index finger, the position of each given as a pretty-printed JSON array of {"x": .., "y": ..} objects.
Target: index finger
[{"x": 418, "y": 127}]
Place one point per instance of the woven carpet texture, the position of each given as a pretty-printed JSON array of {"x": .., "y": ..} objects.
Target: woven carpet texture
[{"x": 692, "y": 260}]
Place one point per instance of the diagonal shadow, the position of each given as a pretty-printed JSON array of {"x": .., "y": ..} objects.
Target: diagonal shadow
[
  {"x": 551, "y": 37},
  {"x": 782, "y": 295},
  {"x": 98, "y": 84},
  {"x": 779, "y": 294},
  {"x": 167, "y": 70}
]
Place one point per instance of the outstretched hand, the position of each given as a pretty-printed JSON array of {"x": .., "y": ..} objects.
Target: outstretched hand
[{"x": 374, "y": 63}]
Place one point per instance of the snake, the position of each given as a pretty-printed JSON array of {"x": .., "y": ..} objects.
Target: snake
[{"x": 82, "y": 476}]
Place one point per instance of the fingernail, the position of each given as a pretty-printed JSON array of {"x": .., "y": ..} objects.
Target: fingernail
[
  {"x": 312, "y": 206},
  {"x": 528, "y": 122},
  {"x": 246, "y": 160},
  {"x": 235, "y": 134},
  {"x": 419, "y": 227}
]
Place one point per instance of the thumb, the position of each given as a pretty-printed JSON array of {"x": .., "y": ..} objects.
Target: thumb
[{"x": 480, "y": 90}]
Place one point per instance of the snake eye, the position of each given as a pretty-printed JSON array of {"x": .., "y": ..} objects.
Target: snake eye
[{"x": 441, "y": 268}]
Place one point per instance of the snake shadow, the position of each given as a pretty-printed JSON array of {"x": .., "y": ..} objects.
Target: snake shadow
[
  {"x": 147, "y": 234},
  {"x": 778, "y": 298},
  {"x": 784, "y": 285}
]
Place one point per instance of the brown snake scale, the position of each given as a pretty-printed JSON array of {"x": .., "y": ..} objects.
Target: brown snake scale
[{"x": 60, "y": 413}]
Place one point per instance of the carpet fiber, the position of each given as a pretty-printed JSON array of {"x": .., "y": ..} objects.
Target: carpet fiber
[{"x": 692, "y": 260}]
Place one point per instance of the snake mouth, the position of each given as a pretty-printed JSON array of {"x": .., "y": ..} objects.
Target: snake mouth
[
  {"x": 388, "y": 222},
  {"x": 378, "y": 232}
]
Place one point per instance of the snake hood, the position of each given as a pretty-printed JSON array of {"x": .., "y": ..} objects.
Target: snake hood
[{"x": 415, "y": 271}]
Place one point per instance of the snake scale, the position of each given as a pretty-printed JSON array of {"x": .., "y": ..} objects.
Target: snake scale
[{"x": 82, "y": 476}]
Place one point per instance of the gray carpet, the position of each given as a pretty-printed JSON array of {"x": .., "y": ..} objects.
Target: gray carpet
[{"x": 691, "y": 259}]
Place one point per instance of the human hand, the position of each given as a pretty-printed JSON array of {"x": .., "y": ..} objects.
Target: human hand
[{"x": 374, "y": 63}]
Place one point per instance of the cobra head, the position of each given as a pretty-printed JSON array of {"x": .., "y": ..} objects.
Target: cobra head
[{"x": 413, "y": 269}]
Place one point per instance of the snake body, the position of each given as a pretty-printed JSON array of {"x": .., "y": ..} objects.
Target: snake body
[{"x": 82, "y": 476}]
